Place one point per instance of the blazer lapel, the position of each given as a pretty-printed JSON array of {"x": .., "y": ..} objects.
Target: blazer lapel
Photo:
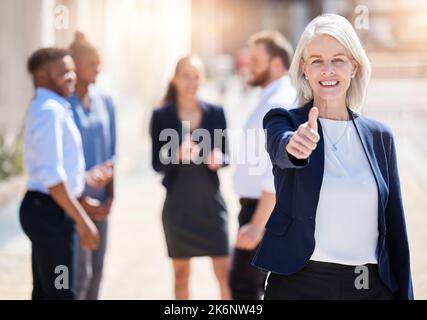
[
  {"x": 367, "y": 140},
  {"x": 312, "y": 175}
]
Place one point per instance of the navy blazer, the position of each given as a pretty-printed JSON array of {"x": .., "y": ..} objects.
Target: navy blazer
[
  {"x": 288, "y": 241},
  {"x": 166, "y": 117}
]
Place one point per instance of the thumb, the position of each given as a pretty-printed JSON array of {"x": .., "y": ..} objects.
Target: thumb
[{"x": 312, "y": 118}]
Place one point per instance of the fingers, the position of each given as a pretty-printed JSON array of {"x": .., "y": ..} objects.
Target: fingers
[
  {"x": 109, "y": 164},
  {"x": 215, "y": 159},
  {"x": 92, "y": 241},
  {"x": 213, "y": 167},
  {"x": 107, "y": 172},
  {"x": 309, "y": 133},
  {"x": 88, "y": 233},
  {"x": 242, "y": 242},
  {"x": 186, "y": 150},
  {"x": 194, "y": 152},
  {"x": 296, "y": 152},
  {"x": 312, "y": 118},
  {"x": 246, "y": 243},
  {"x": 242, "y": 239},
  {"x": 248, "y": 238},
  {"x": 98, "y": 176},
  {"x": 305, "y": 141},
  {"x": 90, "y": 245}
]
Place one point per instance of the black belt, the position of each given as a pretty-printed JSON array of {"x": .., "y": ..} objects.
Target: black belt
[
  {"x": 39, "y": 194},
  {"x": 248, "y": 201},
  {"x": 45, "y": 195},
  {"x": 329, "y": 266}
]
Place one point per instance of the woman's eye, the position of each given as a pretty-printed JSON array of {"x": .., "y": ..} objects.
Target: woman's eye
[
  {"x": 337, "y": 60},
  {"x": 315, "y": 61}
]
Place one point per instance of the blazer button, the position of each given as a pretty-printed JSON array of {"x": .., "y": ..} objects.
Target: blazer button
[{"x": 311, "y": 217}]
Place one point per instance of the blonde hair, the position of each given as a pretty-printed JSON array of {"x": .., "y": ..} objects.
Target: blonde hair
[{"x": 339, "y": 28}]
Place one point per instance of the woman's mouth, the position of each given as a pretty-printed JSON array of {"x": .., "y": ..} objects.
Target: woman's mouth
[{"x": 329, "y": 83}]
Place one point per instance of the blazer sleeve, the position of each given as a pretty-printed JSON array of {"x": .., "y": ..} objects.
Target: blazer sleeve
[
  {"x": 156, "y": 153},
  {"x": 279, "y": 127},
  {"x": 396, "y": 235}
]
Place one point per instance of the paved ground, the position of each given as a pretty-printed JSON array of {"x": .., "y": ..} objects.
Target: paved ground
[{"x": 137, "y": 266}]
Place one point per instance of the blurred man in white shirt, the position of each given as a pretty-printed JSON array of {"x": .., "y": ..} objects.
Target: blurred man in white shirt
[{"x": 271, "y": 55}]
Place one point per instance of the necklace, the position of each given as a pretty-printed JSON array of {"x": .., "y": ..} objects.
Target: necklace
[{"x": 334, "y": 144}]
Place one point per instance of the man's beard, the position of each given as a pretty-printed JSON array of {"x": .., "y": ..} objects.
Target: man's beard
[{"x": 260, "y": 80}]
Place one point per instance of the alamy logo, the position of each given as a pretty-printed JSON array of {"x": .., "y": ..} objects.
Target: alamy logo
[
  {"x": 362, "y": 17},
  {"x": 250, "y": 148},
  {"x": 62, "y": 280},
  {"x": 362, "y": 280},
  {"x": 61, "y": 17}
]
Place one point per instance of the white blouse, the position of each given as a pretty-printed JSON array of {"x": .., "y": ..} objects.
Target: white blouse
[{"x": 346, "y": 229}]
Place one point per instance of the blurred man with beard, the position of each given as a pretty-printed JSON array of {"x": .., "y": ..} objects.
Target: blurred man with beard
[{"x": 271, "y": 56}]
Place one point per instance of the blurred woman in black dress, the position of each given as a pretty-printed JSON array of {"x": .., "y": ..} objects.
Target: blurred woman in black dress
[{"x": 194, "y": 214}]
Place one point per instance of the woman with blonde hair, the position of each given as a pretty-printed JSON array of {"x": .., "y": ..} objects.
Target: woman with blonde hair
[
  {"x": 195, "y": 219},
  {"x": 337, "y": 230}
]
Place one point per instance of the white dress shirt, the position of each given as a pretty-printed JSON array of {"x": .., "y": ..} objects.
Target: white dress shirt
[
  {"x": 52, "y": 145},
  {"x": 347, "y": 213},
  {"x": 253, "y": 172}
]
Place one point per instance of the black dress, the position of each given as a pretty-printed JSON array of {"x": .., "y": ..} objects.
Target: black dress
[{"x": 194, "y": 216}]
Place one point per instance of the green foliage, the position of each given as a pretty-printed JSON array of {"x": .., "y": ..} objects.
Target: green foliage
[{"x": 11, "y": 161}]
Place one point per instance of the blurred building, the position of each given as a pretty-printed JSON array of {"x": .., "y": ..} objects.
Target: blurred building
[
  {"x": 139, "y": 41},
  {"x": 390, "y": 30}
]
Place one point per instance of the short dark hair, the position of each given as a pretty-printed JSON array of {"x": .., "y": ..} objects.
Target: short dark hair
[
  {"x": 276, "y": 45},
  {"x": 43, "y": 56}
]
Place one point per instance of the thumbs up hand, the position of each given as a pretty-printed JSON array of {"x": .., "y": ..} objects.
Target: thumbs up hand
[
  {"x": 312, "y": 118},
  {"x": 305, "y": 138}
]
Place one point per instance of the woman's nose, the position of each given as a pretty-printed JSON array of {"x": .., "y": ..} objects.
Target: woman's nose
[{"x": 328, "y": 69}]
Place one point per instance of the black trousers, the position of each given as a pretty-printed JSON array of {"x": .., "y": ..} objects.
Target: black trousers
[
  {"x": 327, "y": 281},
  {"x": 53, "y": 242},
  {"x": 246, "y": 282}
]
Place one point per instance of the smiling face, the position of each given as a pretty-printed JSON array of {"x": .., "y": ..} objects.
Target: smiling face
[
  {"x": 329, "y": 68},
  {"x": 60, "y": 76}
]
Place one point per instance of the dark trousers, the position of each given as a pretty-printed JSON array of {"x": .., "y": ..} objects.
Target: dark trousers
[
  {"x": 327, "y": 281},
  {"x": 53, "y": 242},
  {"x": 246, "y": 282}
]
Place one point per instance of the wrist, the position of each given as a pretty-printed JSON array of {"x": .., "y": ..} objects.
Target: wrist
[
  {"x": 257, "y": 226},
  {"x": 81, "y": 218}
]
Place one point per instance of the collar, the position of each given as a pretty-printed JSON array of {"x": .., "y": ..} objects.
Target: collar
[
  {"x": 75, "y": 100},
  {"x": 353, "y": 115},
  {"x": 47, "y": 93},
  {"x": 274, "y": 86}
]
